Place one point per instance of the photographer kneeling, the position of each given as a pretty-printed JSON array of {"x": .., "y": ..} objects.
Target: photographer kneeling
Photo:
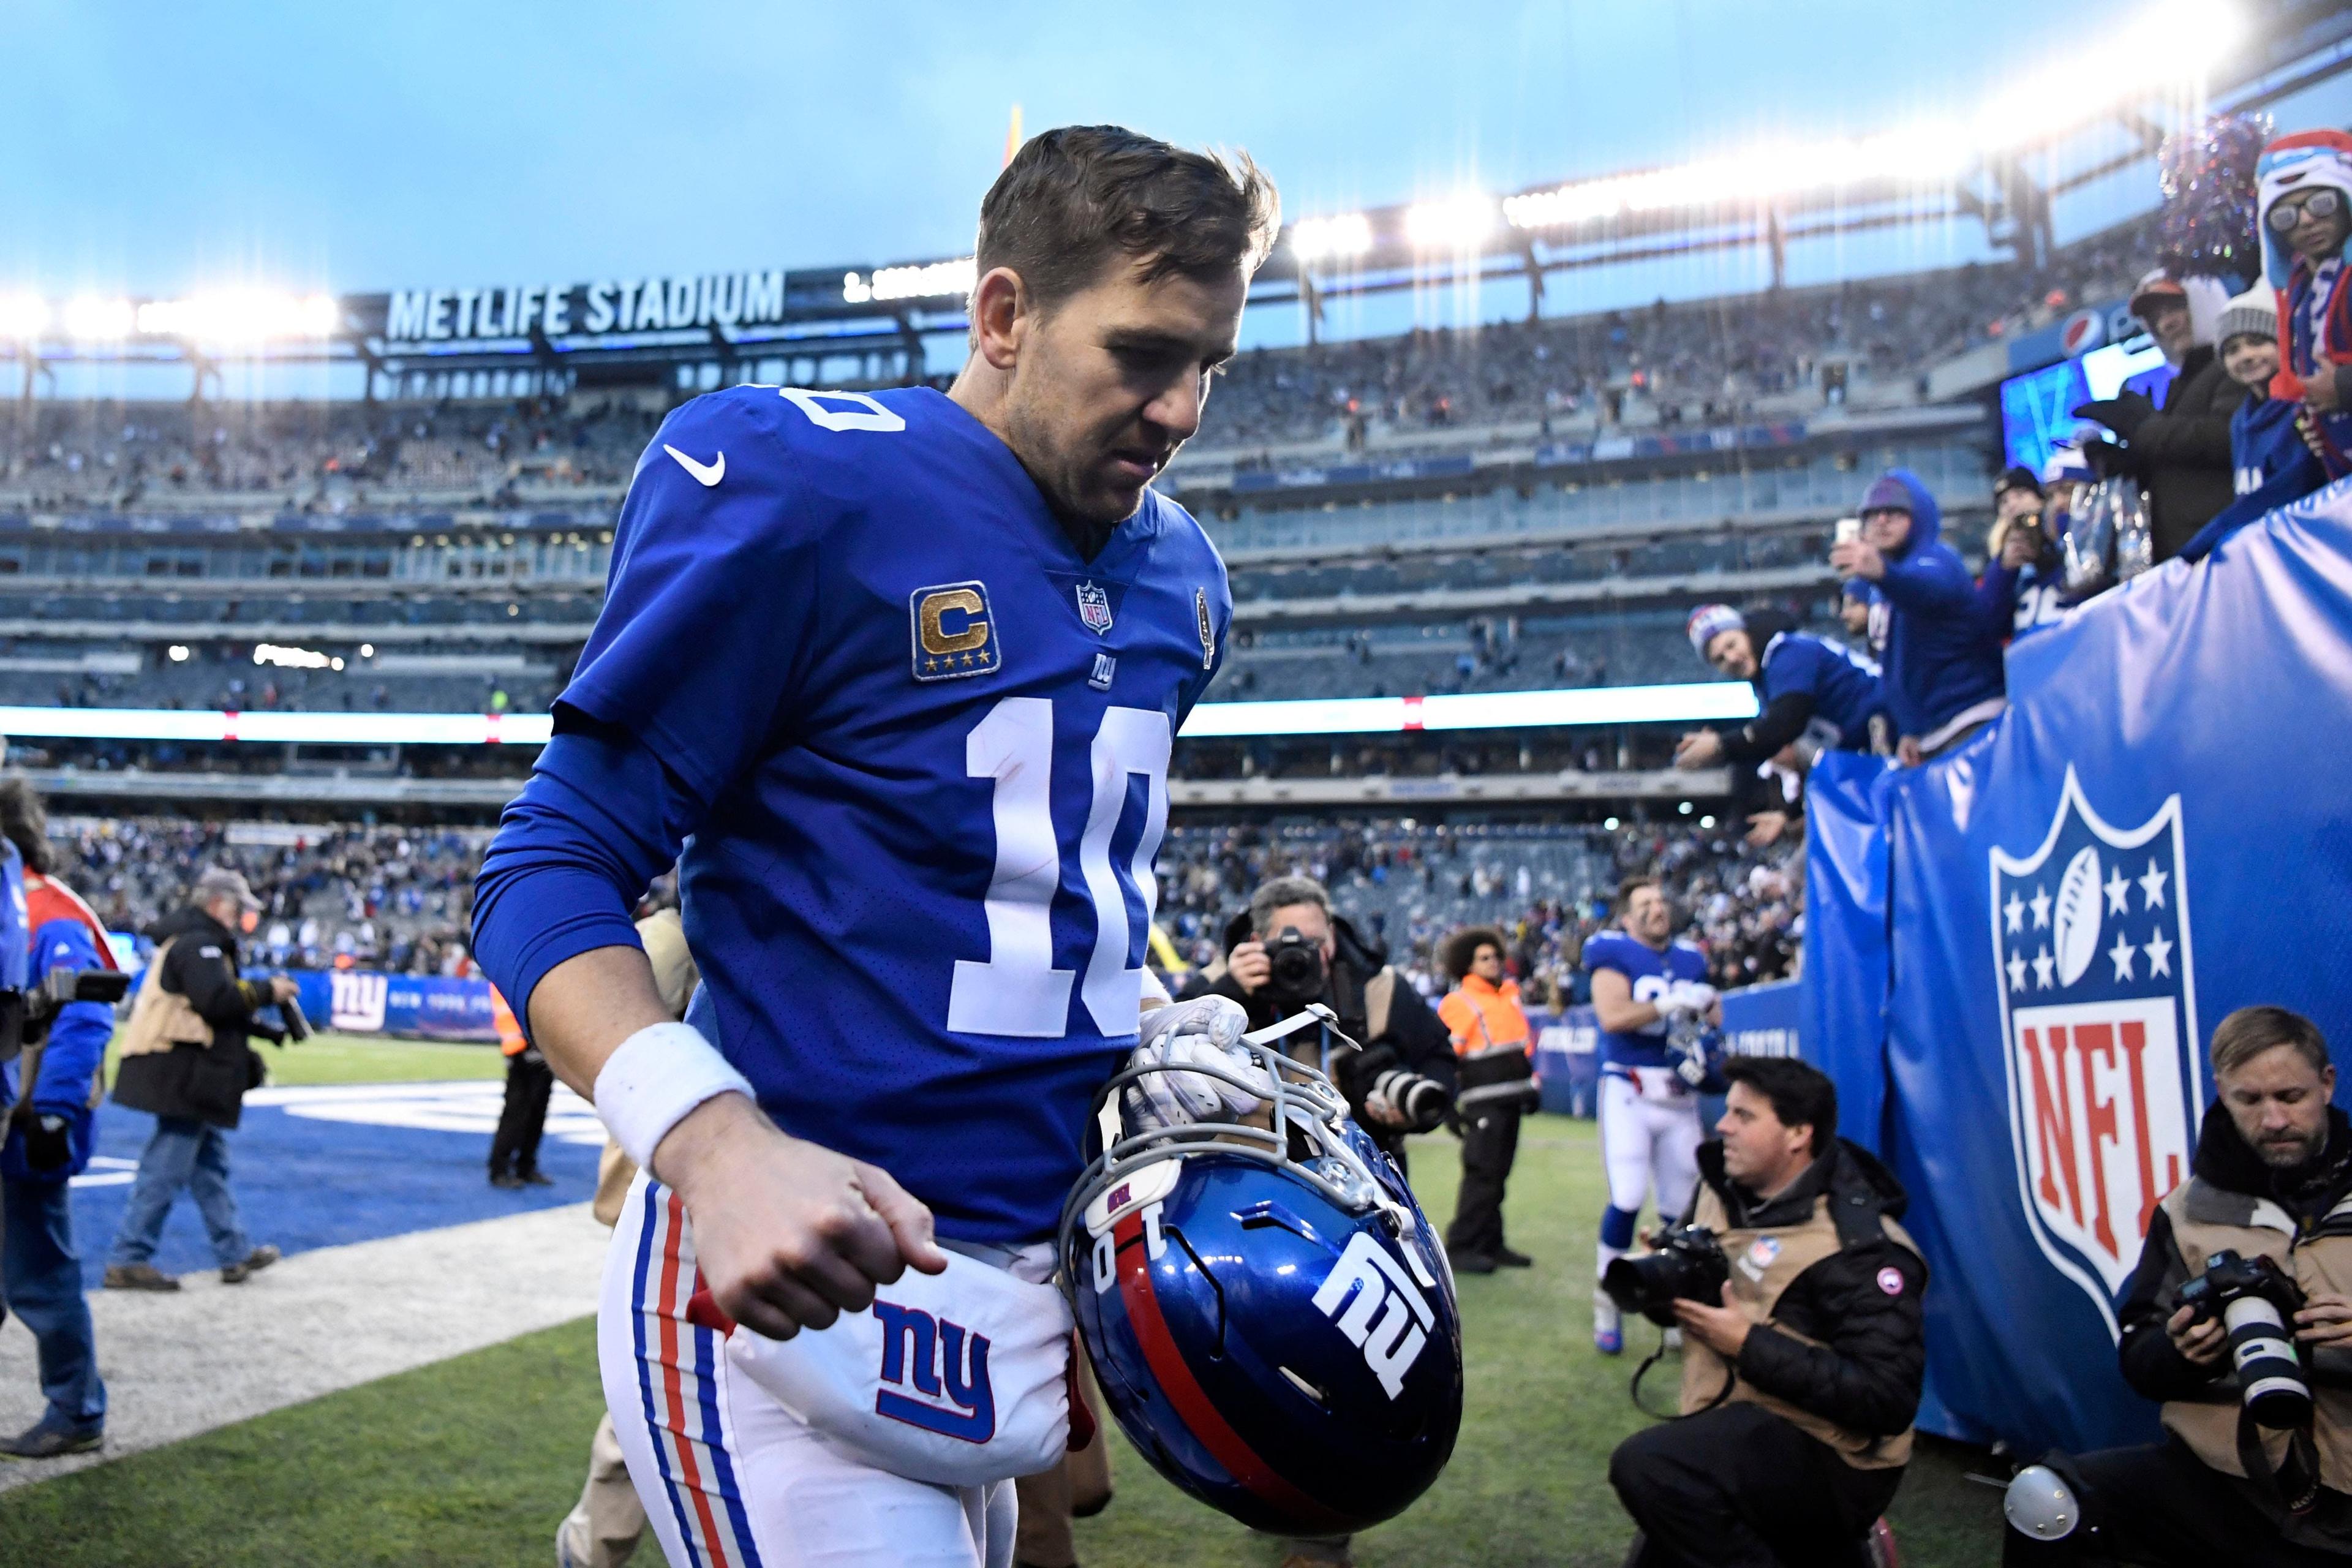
[
  {"x": 1804, "y": 1354},
  {"x": 1287, "y": 950},
  {"x": 2257, "y": 1239}
]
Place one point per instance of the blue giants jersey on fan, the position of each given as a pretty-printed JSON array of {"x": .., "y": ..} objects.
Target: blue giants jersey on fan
[
  {"x": 927, "y": 745},
  {"x": 1843, "y": 684},
  {"x": 1649, "y": 972}
]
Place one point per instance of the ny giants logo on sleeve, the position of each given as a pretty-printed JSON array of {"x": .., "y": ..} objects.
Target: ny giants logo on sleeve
[
  {"x": 934, "y": 1374},
  {"x": 2098, "y": 1001}
]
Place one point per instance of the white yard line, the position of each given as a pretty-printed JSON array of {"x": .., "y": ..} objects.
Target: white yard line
[{"x": 177, "y": 1365}]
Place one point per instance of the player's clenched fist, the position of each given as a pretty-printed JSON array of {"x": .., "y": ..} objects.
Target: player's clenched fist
[{"x": 787, "y": 1235}]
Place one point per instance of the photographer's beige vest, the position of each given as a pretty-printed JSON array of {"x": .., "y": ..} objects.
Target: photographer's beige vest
[
  {"x": 2206, "y": 1219},
  {"x": 161, "y": 1019},
  {"x": 1759, "y": 1274}
]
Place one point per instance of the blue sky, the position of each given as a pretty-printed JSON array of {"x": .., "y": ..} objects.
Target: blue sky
[{"x": 156, "y": 149}]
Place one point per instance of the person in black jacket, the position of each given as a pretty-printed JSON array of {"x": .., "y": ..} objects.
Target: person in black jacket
[
  {"x": 1377, "y": 1008},
  {"x": 2272, "y": 1172},
  {"x": 1800, "y": 1384},
  {"x": 2181, "y": 453},
  {"x": 186, "y": 1057}
]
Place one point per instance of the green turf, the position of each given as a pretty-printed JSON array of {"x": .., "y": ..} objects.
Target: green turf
[
  {"x": 368, "y": 1059},
  {"x": 474, "y": 1460}
]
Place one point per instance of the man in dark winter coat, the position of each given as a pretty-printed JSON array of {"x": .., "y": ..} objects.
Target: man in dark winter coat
[
  {"x": 1377, "y": 1008},
  {"x": 2272, "y": 1177},
  {"x": 2179, "y": 453},
  {"x": 1800, "y": 1384},
  {"x": 1941, "y": 663},
  {"x": 187, "y": 1060}
]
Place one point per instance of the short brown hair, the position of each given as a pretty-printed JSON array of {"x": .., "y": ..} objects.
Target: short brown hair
[
  {"x": 1632, "y": 884},
  {"x": 2250, "y": 1031},
  {"x": 1075, "y": 199},
  {"x": 1463, "y": 946}
]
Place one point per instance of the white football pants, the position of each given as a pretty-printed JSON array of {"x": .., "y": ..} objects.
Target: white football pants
[
  {"x": 729, "y": 1478},
  {"x": 1648, "y": 1147}
]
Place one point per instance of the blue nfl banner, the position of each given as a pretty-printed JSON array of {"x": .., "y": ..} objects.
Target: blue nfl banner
[{"x": 2158, "y": 833}]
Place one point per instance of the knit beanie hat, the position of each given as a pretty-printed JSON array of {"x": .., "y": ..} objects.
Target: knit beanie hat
[
  {"x": 2252, "y": 314},
  {"x": 1709, "y": 621}
]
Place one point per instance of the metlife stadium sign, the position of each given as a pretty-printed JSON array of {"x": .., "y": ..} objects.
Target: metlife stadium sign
[
  {"x": 498, "y": 314},
  {"x": 613, "y": 305}
]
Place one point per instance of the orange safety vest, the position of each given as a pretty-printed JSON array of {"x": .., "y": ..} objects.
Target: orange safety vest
[
  {"x": 511, "y": 1040},
  {"x": 1483, "y": 1017}
]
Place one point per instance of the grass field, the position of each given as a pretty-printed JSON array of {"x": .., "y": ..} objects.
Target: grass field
[
  {"x": 474, "y": 1460},
  {"x": 368, "y": 1059}
]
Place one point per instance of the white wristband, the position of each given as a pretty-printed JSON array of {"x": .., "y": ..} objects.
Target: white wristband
[{"x": 656, "y": 1076}]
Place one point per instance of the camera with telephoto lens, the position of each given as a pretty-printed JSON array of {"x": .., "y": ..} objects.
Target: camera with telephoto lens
[
  {"x": 1686, "y": 1264},
  {"x": 1295, "y": 973},
  {"x": 1422, "y": 1101},
  {"x": 2256, "y": 1302},
  {"x": 297, "y": 1024}
]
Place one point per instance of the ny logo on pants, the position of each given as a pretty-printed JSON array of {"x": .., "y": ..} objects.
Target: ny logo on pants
[{"x": 954, "y": 1399}]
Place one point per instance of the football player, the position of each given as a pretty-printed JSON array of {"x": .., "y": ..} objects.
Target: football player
[
  {"x": 900, "y": 673},
  {"x": 1644, "y": 983}
]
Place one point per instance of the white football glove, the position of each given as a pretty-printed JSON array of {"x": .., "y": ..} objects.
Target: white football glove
[
  {"x": 1686, "y": 999},
  {"x": 1204, "y": 1032}
]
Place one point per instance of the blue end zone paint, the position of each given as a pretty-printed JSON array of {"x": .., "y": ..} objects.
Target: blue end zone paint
[{"x": 324, "y": 1167}]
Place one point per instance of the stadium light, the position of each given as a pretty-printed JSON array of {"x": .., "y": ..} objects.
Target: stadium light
[
  {"x": 1319, "y": 239},
  {"x": 23, "y": 317},
  {"x": 932, "y": 280},
  {"x": 1455, "y": 223},
  {"x": 241, "y": 316},
  {"x": 1695, "y": 701},
  {"x": 92, "y": 317},
  {"x": 289, "y": 658}
]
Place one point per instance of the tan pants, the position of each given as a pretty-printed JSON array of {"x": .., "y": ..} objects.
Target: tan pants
[
  {"x": 603, "y": 1530},
  {"x": 1079, "y": 1487}
]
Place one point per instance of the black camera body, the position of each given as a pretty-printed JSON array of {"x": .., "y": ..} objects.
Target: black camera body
[
  {"x": 1296, "y": 973},
  {"x": 2256, "y": 1302},
  {"x": 1686, "y": 1264}
]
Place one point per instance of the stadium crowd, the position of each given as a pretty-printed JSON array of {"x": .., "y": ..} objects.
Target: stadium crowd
[
  {"x": 1407, "y": 886},
  {"x": 333, "y": 895}
]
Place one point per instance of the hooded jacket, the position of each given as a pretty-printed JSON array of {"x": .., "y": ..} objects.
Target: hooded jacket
[
  {"x": 2308, "y": 320},
  {"x": 1941, "y": 661}
]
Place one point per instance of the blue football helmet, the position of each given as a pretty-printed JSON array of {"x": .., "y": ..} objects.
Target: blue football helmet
[{"x": 1269, "y": 1313}]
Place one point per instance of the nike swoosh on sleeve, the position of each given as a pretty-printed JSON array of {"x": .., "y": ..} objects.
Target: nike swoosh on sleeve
[{"x": 707, "y": 474}]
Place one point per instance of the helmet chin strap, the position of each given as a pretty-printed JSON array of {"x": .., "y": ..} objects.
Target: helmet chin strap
[{"x": 1312, "y": 1014}]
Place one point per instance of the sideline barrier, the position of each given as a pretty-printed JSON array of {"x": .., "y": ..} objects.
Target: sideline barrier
[
  {"x": 2017, "y": 954},
  {"x": 424, "y": 1006}
]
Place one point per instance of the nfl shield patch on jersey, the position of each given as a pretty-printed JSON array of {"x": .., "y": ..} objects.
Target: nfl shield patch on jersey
[
  {"x": 1094, "y": 608},
  {"x": 954, "y": 634}
]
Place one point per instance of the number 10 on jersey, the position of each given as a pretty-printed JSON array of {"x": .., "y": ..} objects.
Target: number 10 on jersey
[{"x": 1018, "y": 991}]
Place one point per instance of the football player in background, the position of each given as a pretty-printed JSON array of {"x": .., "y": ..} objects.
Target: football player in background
[
  {"x": 905, "y": 671},
  {"x": 1644, "y": 983}
]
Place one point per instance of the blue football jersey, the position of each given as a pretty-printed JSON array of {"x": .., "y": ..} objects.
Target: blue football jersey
[
  {"x": 2039, "y": 600},
  {"x": 1843, "y": 684},
  {"x": 930, "y": 743},
  {"x": 1650, "y": 971}
]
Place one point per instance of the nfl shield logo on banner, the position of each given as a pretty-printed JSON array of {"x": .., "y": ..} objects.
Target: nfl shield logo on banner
[
  {"x": 2098, "y": 1001},
  {"x": 1094, "y": 608}
]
